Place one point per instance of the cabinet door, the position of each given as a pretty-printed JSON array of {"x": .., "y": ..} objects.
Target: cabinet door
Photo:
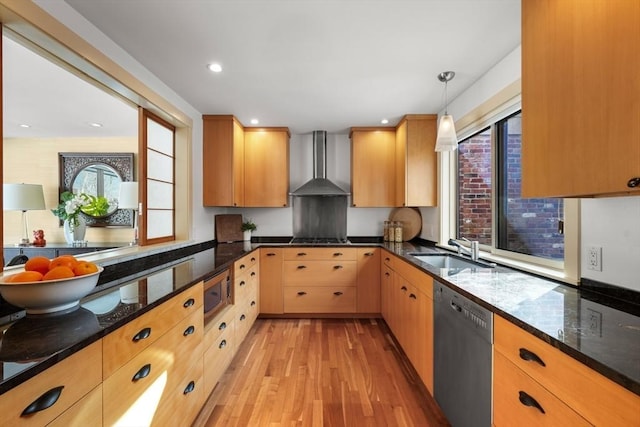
[
  {"x": 271, "y": 298},
  {"x": 85, "y": 412},
  {"x": 223, "y": 161},
  {"x": 373, "y": 175},
  {"x": 368, "y": 281},
  {"x": 416, "y": 161},
  {"x": 581, "y": 118},
  {"x": 386, "y": 293},
  {"x": 266, "y": 167}
]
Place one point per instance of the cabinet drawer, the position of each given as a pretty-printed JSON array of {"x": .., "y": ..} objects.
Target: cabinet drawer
[
  {"x": 320, "y": 299},
  {"x": 416, "y": 277},
  {"x": 85, "y": 412},
  {"x": 245, "y": 263},
  {"x": 77, "y": 375},
  {"x": 515, "y": 396},
  {"x": 250, "y": 279},
  {"x": 216, "y": 359},
  {"x": 567, "y": 378},
  {"x": 320, "y": 254},
  {"x": 182, "y": 405},
  {"x": 218, "y": 325},
  {"x": 319, "y": 272},
  {"x": 124, "y": 343},
  {"x": 388, "y": 259},
  {"x": 135, "y": 391}
]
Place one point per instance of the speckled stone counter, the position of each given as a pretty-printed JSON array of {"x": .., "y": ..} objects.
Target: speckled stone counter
[{"x": 558, "y": 314}]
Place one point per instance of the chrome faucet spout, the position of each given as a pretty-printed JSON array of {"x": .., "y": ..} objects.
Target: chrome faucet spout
[{"x": 473, "y": 251}]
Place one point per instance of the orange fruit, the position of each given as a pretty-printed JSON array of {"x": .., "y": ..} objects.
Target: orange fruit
[
  {"x": 63, "y": 260},
  {"x": 38, "y": 263},
  {"x": 60, "y": 272},
  {"x": 84, "y": 267},
  {"x": 25, "y": 276}
]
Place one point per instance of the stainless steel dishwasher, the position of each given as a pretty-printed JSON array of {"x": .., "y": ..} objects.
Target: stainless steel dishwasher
[{"x": 463, "y": 337}]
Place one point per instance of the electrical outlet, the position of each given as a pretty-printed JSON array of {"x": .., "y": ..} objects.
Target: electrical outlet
[
  {"x": 594, "y": 258},
  {"x": 595, "y": 322}
]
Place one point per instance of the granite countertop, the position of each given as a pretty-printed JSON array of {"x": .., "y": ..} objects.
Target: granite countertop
[{"x": 559, "y": 314}]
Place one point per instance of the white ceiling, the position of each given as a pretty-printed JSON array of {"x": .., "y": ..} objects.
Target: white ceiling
[{"x": 311, "y": 64}]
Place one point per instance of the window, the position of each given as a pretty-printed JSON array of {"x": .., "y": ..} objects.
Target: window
[{"x": 490, "y": 208}]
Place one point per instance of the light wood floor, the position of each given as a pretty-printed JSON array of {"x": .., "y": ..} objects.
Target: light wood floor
[{"x": 319, "y": 372}]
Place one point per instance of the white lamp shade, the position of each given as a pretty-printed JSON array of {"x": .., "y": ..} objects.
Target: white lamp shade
[
  {"x": 22, "y": 197},
  {"x": 128, "y": 197},
  {"x": 447, "y": 139}
]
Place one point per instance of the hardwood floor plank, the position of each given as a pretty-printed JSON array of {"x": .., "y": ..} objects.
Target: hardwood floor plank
[{"x": 320, "y": 372}]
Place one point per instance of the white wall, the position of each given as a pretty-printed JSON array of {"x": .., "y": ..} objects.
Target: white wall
[{"x": 614, "y": 225}]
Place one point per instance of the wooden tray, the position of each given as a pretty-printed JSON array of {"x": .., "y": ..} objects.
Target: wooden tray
[
  {"x": 411, "y": 221},
  {"x": 229, "y": 228}
]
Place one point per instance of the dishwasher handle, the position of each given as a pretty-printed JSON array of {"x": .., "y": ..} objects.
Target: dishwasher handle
[{"x": 455, "y": 307}]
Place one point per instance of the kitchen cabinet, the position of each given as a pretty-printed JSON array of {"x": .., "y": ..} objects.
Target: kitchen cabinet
[
  {"x": 555, "y": 382},
  {"x": 271, "y": 295},
  {"x": 219, "y": 347},
  {"x": 244, "y": 166},
  {"x": 72, "y": 379},
  {"x": 416, "y": 161},
  {"x": 223, "y": 161},
  {"x": 410, "y": 313},
  {"x": 319, "y": 280},
  {"x": 395, "y": 166},
  {"x": 153, "y": 365},
  {"x": 246, "y": 293},
  {"x": 266, "y": 167},
  {"x": 580, "y": 116},
  {"x": 368, "y": 280}
]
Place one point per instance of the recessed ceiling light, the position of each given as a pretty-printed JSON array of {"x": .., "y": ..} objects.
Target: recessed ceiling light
[
  {"x": 96, "y": 125},
  {"x": 255, "y": 121},
  {"x": 215, "y": 67},
  {"x": 384, "y": 121},
  {"x": 24, "y": 125}
]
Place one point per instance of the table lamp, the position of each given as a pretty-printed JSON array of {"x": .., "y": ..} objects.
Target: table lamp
[
  {"x": 23, "y": 197},
  {"x": 128, "y": 199}
]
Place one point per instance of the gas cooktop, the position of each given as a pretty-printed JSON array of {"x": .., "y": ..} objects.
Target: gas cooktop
[{"x": 318, "y": 241}]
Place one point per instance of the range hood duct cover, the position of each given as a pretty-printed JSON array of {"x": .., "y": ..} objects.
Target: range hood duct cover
[{"x": 319, "y": 185}]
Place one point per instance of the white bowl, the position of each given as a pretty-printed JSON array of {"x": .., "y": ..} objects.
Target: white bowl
[{"x": 50, "y": 295}]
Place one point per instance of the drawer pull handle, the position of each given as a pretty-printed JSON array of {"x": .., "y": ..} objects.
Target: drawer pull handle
[
  {"x": 242, "y": 317},
  {"x": 386, "y": 273},
  {"x": 271, "y": 254},
  {"x": 633, "y": 182},
  {"x": 222, "y": 344},
  {"x": 188, "y": 303},
  {"x": 190, "y": 387},
  {"x": 530, "y": 356},
  {"x": 302, "y": 293},
  {"x": 241, "y": 266},
  {"x": 142, "y": 335},
  {"x": 222, "y": 326},
  {"x": 242, "y": 283},
  {"x": 253, "y": 303},
  {"x": 527, "y": 400},
  {"x": 191, "y": 329},
  {"x": 413, "y": 296},
  {"x": 404, "y": 288},
  {"x": 45, "y": 401},
  {"x": 301, "y": 267},
  {"x": 142, "y": 373},
  {"x": 368, "y": 254},
  {"x": 337, "y": 254},
  {"x": 337, "y": 293},
  {"x": 337, "y": 267},
  {"x": 253, "y": 259},
  {"x": 387, "y": 259},
  {"x": 253, "y": 273},
  {"x": 302, "y": 254}
]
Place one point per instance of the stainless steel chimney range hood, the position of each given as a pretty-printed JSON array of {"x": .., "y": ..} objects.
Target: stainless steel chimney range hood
[{"x": 319, "y": 185}]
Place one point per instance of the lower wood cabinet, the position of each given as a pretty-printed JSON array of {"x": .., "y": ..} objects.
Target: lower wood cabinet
[
  {"x": 70, "y": 379},
  {"x": 368, "y": 280},
  {"x": 219, "y": 347},
  {"x": 531, "y": 376},
  {"x": 271, "y": 296}
]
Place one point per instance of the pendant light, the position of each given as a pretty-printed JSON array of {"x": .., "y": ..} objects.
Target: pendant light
[{"x": 446, "y": 139}]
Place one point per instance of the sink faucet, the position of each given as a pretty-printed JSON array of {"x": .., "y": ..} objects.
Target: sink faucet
[{"x": 474, "y": 247}]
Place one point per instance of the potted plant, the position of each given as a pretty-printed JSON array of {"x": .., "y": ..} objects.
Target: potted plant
[{"x": 247, "y": 227}]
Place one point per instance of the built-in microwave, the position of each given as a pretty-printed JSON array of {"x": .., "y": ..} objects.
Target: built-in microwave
[{"x": 217, "y": 294}]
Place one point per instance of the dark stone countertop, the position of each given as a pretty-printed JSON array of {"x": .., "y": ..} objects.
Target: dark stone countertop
[{"x": 557, "y": 313}]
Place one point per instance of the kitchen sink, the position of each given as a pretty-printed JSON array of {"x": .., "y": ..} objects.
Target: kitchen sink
[{"x": 450, "y": 261}]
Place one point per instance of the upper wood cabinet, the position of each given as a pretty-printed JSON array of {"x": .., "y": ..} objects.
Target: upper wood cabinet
[
  {"x": 266, "y": 167},
  {"x": 395, "y": 166},
  {"x": 580, "y": 109},
  {"x": 416, "y": 161},
  {"x": 244, "y": 166}
]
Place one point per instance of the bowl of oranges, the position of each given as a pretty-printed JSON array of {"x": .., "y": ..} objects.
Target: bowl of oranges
[{"x": 47, "y": 286}]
